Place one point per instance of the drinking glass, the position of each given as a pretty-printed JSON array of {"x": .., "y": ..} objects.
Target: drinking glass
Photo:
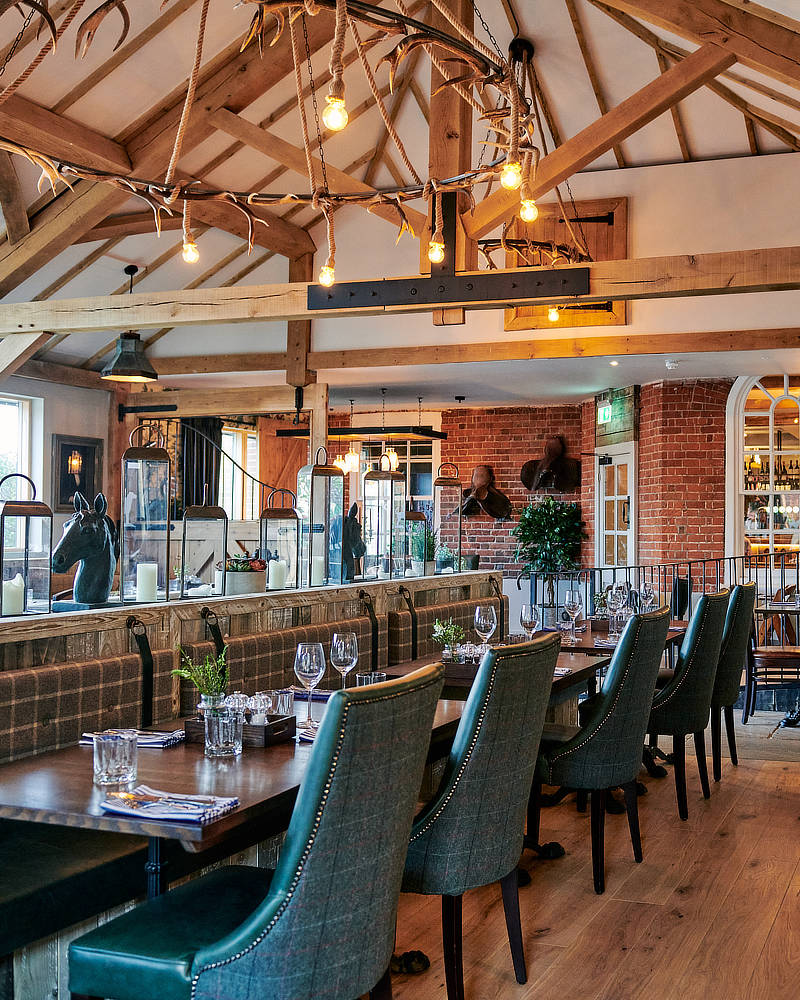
[
  {"x": 573, "y": 605},
  {"x": 648, "y": 596},
  {"x": 344, "y": 653},
  {"x": 371, "y": 677},
  {"x": 309, "y": 668},
  {"x": 282, "y": 701},
  {"x": 529, "y": 619},
  {"x": 485, "y": 624},
  {"x": 115, "y": 757},
  {"x": 617, "y": 597}
]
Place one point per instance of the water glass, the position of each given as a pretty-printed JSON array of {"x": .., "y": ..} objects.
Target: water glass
[
  {"x": 282, "y": 701},
  {"x": 617, "y": 597},
  {"x": 647, "y": 596},
  {"x": 485, "y": 623},
  {"x": 529, "y": 619},
  {"x": 115, "y": 757},
  {"x": 309, "y": 668},
  {"x": 370, "y": 677},
  {"x": 224, "y": 728},
  {"x": 344, "y": 653},
  {"x": 573, "y": 605}
]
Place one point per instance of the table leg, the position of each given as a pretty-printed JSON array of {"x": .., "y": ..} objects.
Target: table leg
[{"x": 155, "y": 868}]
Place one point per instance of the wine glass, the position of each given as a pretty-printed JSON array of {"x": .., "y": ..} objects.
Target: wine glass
[
  {"x": 617, "y": 597},
  {"x": 573, "y": 605},
  {"x": 648, "y": 596},
  {"x": 485, "y": 623},
  {"x": 344, "y": 653},
  {"x": 529, "y": 619},
  {"x": 309, "y": 668}
]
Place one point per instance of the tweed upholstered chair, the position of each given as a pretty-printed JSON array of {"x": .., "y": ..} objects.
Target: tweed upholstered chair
[
  {"x": 471, "y": 832},
  {"x": 728, "y": 680},
  {"x": 683, "y": 705},
  {"x": 607, "y": 750},
  {"x": 321, "y": 926}
]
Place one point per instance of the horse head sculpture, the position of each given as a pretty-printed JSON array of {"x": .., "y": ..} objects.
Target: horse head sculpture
[{"x": 90, "y": 538}]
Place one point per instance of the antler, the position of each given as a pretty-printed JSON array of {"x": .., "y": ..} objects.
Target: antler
[
  {"x": 89, "y": 26},
  {"x": 40, "y": 6}
]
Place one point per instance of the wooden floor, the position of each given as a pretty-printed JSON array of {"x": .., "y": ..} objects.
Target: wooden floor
[{"x": 713, "y": 912}]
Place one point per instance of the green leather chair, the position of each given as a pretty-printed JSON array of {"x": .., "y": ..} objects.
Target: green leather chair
[
  {"x": 728, "y": 680},
  {"x": 322, "y": 924},
  {"x": 606, "y": 752},
  {"x": 683, "y": 705},
  {"x": 470, "y": 834}
]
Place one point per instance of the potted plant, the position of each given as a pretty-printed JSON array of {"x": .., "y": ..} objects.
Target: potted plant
[
  {"x": 211, "y": 680},
  {"x": 549, "y": 535},
  {"x": 423, "y": 550},
  {"x": 244, "y": 574},
  {"x": 445, "y": 558},
  {"x": 449, "y": 635}
]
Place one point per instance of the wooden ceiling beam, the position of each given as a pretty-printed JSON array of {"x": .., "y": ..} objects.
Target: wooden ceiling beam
[
  {"x": 591, "y": 70},
  {"x": 12, "y": 201},
  {"x": 15, "y": 351},
  {"x": 293, "y": 158},
  {"x": 33, "y": 126},
  {"x": 757, "y": 41},
  {"x": 683, "y": 275},
  {"x": 675, "y": 113},
  {"x": 264, "y": 361},
  {"x": 47, "y": 371},
  {"x": 625, "y": 119},
  {"x": 130, "y": 224}
]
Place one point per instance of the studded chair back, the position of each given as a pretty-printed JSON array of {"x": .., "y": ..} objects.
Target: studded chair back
[{"x": 735, "y": 639}]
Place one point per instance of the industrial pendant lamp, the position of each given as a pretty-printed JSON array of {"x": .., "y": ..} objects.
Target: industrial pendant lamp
[{"x": 129, "y": 363}]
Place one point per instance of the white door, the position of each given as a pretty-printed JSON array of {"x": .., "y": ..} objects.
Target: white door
[{"x": 616, "y": 506}]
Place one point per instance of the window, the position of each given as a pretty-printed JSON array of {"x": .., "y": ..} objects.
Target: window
[
  {"x": 239, "y": 494},
  {"x": 15, "y": 455},
  {"x": 769, "y": 476}
]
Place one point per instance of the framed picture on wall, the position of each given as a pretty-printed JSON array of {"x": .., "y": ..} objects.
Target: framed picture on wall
[{"x": 77, "y": 467}]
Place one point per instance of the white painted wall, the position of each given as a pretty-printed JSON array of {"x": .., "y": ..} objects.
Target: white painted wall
[{"x": 62, "y": 410}]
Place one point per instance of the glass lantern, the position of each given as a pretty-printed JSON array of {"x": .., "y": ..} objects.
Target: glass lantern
[
  {"x": 448, "y": 498},
  {"x": 384, "y": 522},
  {"x": 204, "y": 549},
  {"x": 416, "y": 543},
  {"x": 26, "y": 542},
  {"x": 144, "y": 566},
  {"x": 280, "y": 540},
  {"x": 320, "y": 504}
]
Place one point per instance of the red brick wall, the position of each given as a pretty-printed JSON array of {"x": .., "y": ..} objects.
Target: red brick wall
[
  {"x": 505, "y": 438},
  {"x": 682, "y": 470}
]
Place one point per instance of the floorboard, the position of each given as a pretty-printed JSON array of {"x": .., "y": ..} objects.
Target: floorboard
[{"x": 713, "y": 912}]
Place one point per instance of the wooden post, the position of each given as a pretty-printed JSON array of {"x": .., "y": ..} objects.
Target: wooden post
[
  {"x": 450, "y": 152},
  {"x": 298, "y": 334},
  {"x": 118, "y": 434},
  {"x": 317, "y": 397}
]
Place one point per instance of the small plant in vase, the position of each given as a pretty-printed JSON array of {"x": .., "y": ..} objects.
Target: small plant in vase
[
  {"x": 209, "y": 677},
  {"x": 423, "y": 550},
  {"x": 445, "y": 558},
  {"x": 449, "y": 635}
]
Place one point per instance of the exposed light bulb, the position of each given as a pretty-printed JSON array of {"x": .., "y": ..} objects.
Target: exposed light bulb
[
  {"x": 613, "y": 363},
  {"x": 553, "y": 314},
  {"x": 352, "y": 459},
  {"x": 341, "y": 463},
  {"x": 511, "y": 175},
  {"x": 756, "y": 459},
  {"x": 335, "y": 114},
  {"x": 326, "y": 276},
  {"x": 394, "y": 460},
  {"x": 435, "y": 252},
  {"x": 528, "y": 210},
  {"x": 190, "y": 252}
]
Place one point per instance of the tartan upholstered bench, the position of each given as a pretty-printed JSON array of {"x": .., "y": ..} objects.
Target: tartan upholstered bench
[
  {"x": 462, "y": 613},
  {"x": 265, "y": 661}
]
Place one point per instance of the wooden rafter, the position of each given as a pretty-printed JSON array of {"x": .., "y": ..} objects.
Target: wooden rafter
[
  {"x": 752, "y": 137},
  {"x": 15, "y": 351},
  {"x": 398, "y": 101},
  {"x": 622, "y": 121},
  {"x": 12, "y": 201},
  {"x": 129, "y": 224},
  {"x": 683, "y": 275},
  {"x": 759, "y": 42},
  {"x": 591, "y": 69},
  {"x": 675, "y": 113}
]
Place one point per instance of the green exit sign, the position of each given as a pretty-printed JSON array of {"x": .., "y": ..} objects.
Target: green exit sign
[{"x": 603, "y": 413}]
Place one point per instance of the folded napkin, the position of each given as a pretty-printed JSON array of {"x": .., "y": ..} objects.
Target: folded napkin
[
  {"x": 318, "y": 694},
  {"x": 148, "y": 803},
  {"x": 145, "y": 739},
  {"x": 611, "y": 643},
  {"x": 306, "y": 735},
  {"x": 562, "y": 671}
]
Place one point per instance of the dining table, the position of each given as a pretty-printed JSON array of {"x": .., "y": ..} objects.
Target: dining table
[{"x": 57, "y": 788}]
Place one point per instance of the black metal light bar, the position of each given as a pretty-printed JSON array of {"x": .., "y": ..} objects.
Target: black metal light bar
[
  {"x": 412, "y": 432},
  {"x": 484, "y": 290}
]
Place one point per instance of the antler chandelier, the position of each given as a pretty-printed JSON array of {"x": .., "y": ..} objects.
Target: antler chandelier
[{"x": 478, "y": 69}]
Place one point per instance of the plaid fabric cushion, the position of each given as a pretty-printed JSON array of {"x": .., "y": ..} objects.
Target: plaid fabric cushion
[
  {"x": 44, "y": 708},
  {"x": 266, "y": 661},
  {"x": 462, "y": 613}
]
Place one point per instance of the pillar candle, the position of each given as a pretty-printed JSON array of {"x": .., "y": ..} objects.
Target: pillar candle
[
  {"x": 218, "y": 582},
  {"x": 146, "y": 582},
  {"x": 278, "y": 570},
  {"x": 14, "y": 596},
  {"x": 317, "y": 571}
]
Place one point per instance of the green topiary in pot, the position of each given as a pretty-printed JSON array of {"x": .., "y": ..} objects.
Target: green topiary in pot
[{"x": 549, "y": 535}]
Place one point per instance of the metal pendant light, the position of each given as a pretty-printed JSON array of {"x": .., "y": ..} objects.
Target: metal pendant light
[{"x": 129, "y": 363}]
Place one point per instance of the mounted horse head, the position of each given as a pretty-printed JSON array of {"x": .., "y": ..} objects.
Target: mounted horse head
[{"x": 90, "y": 538}]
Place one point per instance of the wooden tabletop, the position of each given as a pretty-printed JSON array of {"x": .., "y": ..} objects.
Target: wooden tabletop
[
  {"x": 595, "y": 639},
  {"x": 56, "y": 788}
]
